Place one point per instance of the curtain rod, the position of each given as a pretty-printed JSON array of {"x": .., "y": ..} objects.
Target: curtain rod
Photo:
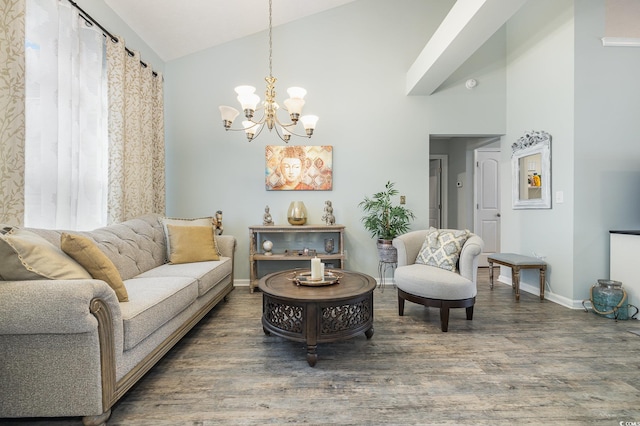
[{"x": 84, "y": 15}]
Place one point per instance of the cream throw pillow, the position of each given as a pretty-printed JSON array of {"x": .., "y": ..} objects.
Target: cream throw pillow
[
  {"x": 200, "y": 221},
  {"x": 87, "y": 254},
  {"x": 441, "y": 248},
  {"x": 27, "y": 256},
  {"x": 191, "y": 244}
]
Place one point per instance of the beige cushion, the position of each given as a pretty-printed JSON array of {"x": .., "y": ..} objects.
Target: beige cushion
[
  {"x": 28, "y": 256},
  {"x": 87, "y": 254},
  {"x": 200, "y": 221},
  {"x": 441, "y": 248},
  {"x": 191, "y": 244}
]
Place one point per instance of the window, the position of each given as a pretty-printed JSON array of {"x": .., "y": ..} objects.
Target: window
[{"x": 66, "y": 152}]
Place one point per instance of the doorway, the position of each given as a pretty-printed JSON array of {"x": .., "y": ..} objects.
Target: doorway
[
  {"x": 459, "y": 211},
  {"x": 487, "y": 200},
  {"x": 438, "y": 165}
]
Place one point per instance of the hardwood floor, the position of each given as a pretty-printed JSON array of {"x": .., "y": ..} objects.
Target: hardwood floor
[{"x": 530, "y": 362}]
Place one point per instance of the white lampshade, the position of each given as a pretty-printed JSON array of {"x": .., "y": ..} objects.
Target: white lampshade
[
  {"x": 250, "y": 128},
  {"x": 249, "y": 101},
  {"x": 309, "y": 121},
  {"x": 294, "y": 105},
  {"x": 228, "y": 113},
  {"x": 296, "y": 92},
  {"x": 245, "y": 90}
]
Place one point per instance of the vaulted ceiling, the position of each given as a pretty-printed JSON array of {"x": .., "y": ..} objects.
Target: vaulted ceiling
[{"x": 175, "y": 28}]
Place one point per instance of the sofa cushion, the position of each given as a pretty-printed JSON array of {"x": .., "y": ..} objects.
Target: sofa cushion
[
  {"x": 433, "y": 282},
  {"x": 27, "y": 256},
  {"x": 208, "y": 274},
  {"x": 84, "y": 251},
  {"x": 441, "y": 248},
  {"x": 153, "y": 301},
  {"x": 134, "y": 246},
  {"x": 191, "y": 244}
]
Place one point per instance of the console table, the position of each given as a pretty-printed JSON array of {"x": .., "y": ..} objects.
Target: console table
[
  {"x": 289, "y": 244},
  {"x": 517, "y": 262}
]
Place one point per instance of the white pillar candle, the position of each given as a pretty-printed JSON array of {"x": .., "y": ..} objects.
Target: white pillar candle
[
  {"x": 322, "y": 270},
  {"x": 315, "y": 269}
]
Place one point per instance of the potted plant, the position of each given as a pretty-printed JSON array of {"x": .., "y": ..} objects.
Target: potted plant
[{"x": 385, "y": 221}]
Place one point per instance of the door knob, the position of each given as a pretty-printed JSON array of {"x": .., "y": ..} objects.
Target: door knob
[{"x": 498, "y": 214}]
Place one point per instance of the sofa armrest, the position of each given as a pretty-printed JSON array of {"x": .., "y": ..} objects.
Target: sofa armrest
[
  {"x": 469, "y": 256},
  {"x": 226, "y": 245},
  {"x": 408, "y": 246},
  {"x": 63, "y": 339},
  {"x": 53, "y": 306}
]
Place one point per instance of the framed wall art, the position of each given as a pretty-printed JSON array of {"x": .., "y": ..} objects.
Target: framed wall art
[{"x": 298, "y": 168}]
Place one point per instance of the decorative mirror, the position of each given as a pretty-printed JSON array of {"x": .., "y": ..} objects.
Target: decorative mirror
[{"x": 531, "y": 171}]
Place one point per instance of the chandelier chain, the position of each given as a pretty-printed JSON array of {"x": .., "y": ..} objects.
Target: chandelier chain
[{"x": 270, "y": 43}]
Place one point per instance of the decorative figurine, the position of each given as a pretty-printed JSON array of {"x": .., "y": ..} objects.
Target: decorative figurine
[
  {"x": 266, "y": 219},
  {"x": 218, "y": 223},
  {"x": 328, "y": 216},
  {"x": 328, "y": 245}
]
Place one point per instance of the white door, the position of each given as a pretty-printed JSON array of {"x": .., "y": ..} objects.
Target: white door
[
  {"x": 487, "y": 201},
  {"x": 435, "y": 192}
]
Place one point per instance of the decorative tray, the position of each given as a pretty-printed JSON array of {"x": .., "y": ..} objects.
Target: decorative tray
[
  {"x": 307, "y": 252},
  {"x": 304, "y": 278}
]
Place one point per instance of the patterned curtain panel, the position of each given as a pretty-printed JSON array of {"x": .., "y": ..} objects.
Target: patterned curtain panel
[
  {"x": 66, "y": 119},
  {"x": 12, "y": 111},
  {"x": 136, "y": 136}
]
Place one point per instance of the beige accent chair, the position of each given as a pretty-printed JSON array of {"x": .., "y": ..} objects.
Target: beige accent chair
[{"x": 433, "y": 286}]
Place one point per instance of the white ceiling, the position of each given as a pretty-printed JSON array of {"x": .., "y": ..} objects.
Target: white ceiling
[{"x": 175, "y": 28}]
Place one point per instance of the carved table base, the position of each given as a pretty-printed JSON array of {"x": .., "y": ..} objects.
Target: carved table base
[{"x": 317, "y": 314}]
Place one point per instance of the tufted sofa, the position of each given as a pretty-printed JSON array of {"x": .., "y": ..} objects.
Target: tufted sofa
[{"x": 70, "y": 348}]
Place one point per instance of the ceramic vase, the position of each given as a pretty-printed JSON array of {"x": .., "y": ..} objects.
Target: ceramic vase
[{"x": 297, "y": 213}]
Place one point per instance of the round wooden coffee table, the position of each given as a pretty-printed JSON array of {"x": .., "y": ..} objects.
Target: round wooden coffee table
[{"x": 317, "y": 314}]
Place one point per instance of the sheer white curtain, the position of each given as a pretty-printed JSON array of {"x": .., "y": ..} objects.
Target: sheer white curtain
[{"x": 66, "y": 153}]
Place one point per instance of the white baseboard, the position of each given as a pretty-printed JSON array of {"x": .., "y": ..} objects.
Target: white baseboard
[
  {"x": 548, "y": 294},
  {"x": 241, "y": 283}
]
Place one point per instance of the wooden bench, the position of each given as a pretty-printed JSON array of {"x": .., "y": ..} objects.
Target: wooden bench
[{"x": 517, "y": 262}]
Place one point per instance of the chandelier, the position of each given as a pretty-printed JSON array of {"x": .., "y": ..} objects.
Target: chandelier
[{"x": 249, "y": 102}]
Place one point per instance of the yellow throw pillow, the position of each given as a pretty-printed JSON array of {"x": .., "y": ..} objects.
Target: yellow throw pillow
[
  {"x": 26, "y": 255},
  {"x": 200, "y": 221},
  {"x": 86, "y": 253},
  {"x": 191, "y": 244}
]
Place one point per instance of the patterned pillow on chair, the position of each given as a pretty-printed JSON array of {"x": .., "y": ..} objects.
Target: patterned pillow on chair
[{"x": 441, "y": 248}]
